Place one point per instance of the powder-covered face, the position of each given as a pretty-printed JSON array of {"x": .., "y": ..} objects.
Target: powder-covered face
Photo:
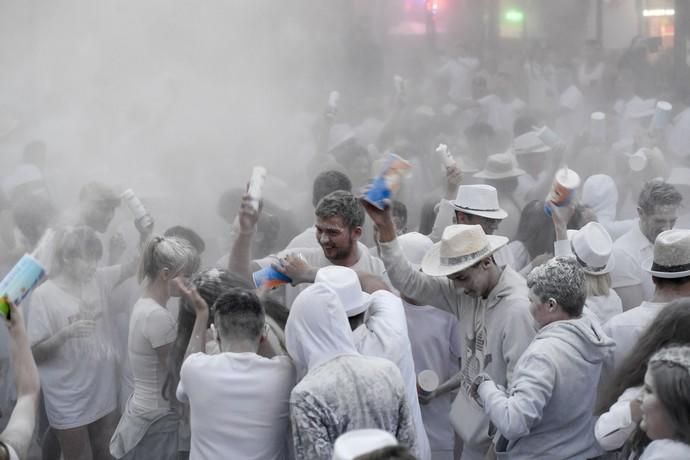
[
  {"x": 656, "y": 421},
  {"x": 98, "y": 215},
  {"x": 336, "y": 239},
  {"x": 662, "y": 218},
  {"x": 81, "y": 269},
  {"x": 474, "y": 281}
]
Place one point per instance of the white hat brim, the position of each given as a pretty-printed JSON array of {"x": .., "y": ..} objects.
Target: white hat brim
[
  {"x": 541, "y": 149},
  {"x": 489, "y": 175},
  {"x": 647, "y": 266},
  {"x": 361, "y": 307},
  {"x": 500, "y": 214},
  {"x": 431, "y": 264},
  {"x": 610, "y": 265}
]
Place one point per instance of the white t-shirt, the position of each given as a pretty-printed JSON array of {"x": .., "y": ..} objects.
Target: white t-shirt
[
  {"x": 436, "y": 345},
  {"x": 151, "y": 326},
  {"x": 78, "y": 381},
  {"x": 239, "y": 405},
  {"x": 666, "y": 449},
  {"x": 629, "y": 251},
  {"x": 315, "y": 257}
]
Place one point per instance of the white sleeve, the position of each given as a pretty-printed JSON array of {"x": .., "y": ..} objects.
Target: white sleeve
[
  {"x": 188, "y": 371},
  {"x": 561, "y": 248},
  {"x": 514, "y": 415},
  {"x": 614, "y": 427},
  {"x": 444, "y": 218},
  {"x": 626, "y": 272}
]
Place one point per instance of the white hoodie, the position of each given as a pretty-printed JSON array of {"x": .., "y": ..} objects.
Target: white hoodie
[
  {"x": 342, "y": 390},
  {"x": 548, "y": 409}
]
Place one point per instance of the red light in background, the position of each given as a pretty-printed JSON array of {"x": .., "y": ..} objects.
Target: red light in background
[{"x": 432, "y": 6}]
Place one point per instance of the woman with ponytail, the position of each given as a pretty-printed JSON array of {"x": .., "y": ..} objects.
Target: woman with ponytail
[{"x": 148, "y": 427}]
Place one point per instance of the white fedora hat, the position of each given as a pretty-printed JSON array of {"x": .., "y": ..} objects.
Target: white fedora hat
[
  {"x": 345, "y": 282},
  {"x": 499, "y": 166},
  {"x": 529, "y": 143},
  {"x": 355, "y": 443},
  {"x": 414, "y": 246},
  {"x": 480, "y": 200},
  {"x": 461, "y": 246},
  {"x": 592, "y": 246},
  {"x": 671, "y": 255}
]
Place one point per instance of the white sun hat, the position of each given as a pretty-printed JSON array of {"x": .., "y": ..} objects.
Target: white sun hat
[
  {"x": 529, "y": 143},
  {"x": 461, "y": 246},
  {"x": 356, "y": 443},
  {"x": 345, "y": 282},
  {"x": 592, "y": 246},
  {"x": 671, "y": 255},
  {"x": 480, "y": 200},
  {"x": 499, "y": 166},
  {"x": 414, "y": 246}
]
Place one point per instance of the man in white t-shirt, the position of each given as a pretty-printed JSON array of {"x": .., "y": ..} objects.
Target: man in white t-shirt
[
  {"x": 339, "y": 221},
  {"x": 239, "y": 400},
  {"x": 657, "y": 208}
]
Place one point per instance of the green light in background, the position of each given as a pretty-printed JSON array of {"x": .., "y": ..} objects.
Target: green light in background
[{"x": 514, "y": 15}]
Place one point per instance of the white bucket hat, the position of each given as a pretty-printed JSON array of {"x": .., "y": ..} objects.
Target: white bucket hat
[
  {"x": 499, "y": 166},
  {"x": 414, "y": 246},
  {"x": 461, "y": 246},
  {"x": 480, "y": 200},
  {"x": 355, "y": 443},
  {"x": 671, "y": 255},
  {"x": 529, "y": 143},
  {"x": 345, "y": 282},
  {"x": 592, "y": 246}
]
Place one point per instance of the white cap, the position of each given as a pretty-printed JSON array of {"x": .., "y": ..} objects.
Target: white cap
[
  {"x": 345, "y": 282},
  {"x": 355, "y": 443}
]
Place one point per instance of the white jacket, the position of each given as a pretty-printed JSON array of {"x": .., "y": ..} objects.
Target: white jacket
[{"x": 614, "y": 427}]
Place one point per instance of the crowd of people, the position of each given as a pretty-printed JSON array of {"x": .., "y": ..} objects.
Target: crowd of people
[{"x": 555, "y": 330}]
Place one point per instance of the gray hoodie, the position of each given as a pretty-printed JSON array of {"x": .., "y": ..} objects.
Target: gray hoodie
[
  {"x": 548, "y": 410},
  {"x": 495, "y": 331}
]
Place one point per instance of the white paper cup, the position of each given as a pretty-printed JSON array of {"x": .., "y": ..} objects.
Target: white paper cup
[
  {"x": 597, "y": 127},
  {"x": 427, "y": 381},
  {"x": 638, "y": 161},
  {"x": 662, "y": 115}
]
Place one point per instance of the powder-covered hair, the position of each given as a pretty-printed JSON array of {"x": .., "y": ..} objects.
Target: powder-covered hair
[
  {"x": 76, "y": 242},
  {"x": 175, "y": 254},
  {"x": 563, "y": 280}
]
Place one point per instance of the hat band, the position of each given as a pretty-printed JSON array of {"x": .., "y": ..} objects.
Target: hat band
[
  {"x": 670, "y": 268},
  {"x": 476, "y": 209},
  {"x": 584, "y": 264},
  {"x": 450, "y": 261}
]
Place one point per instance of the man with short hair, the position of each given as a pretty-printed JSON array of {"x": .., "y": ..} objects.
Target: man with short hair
[
  {"x": 97, "y": 205},
  {"x": 325, "y": 183},
  {"x": 670, "y": 272},
  {"x": 459, "y": 275},
  {"x": 657, "y": 208},
  {"x": 339, "y": 221},
  {"x": 239, "y": 400}
]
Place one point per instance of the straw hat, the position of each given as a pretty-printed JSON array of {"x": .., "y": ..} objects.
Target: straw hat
[
  {"x": 479, "y": 200},
  {"x": 345, "y": 282},
  {"x": 355, "y": 443},
  {"x": 499, "y": 166},
  {"x": 671, "y": 255},
  {"x": 592, "y": 246},
  {"x": 529, "y": 143},
  {"x": 414, "y": 246},
  {"x": 461, "y": 246}
]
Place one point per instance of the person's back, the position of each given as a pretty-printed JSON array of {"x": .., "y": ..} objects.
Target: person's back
[
  {"x": 342, "y": 389},
  {"x": 346, "y": 393},
  {"x": 239, "y": 405}
]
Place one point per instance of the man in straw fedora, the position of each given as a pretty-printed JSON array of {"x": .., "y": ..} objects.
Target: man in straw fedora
[
  {"x": 459, "y": 275},
  {"x": 669, "y": 268}
]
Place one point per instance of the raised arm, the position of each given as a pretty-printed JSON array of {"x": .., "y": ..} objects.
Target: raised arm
[
  {"x": 197, "y": 342},
  {"x": 436, "y": 291},
  {"x": 20, "y": 427},
  {"x": 240, "y": 255},
  {"x": 446, "y": 212}
]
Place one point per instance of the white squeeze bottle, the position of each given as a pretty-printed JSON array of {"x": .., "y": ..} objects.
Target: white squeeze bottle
[
  {"x": 137, "y": 208},
  {"x": 256, "y": 184},
  {"x": 446, "y": 157}
]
